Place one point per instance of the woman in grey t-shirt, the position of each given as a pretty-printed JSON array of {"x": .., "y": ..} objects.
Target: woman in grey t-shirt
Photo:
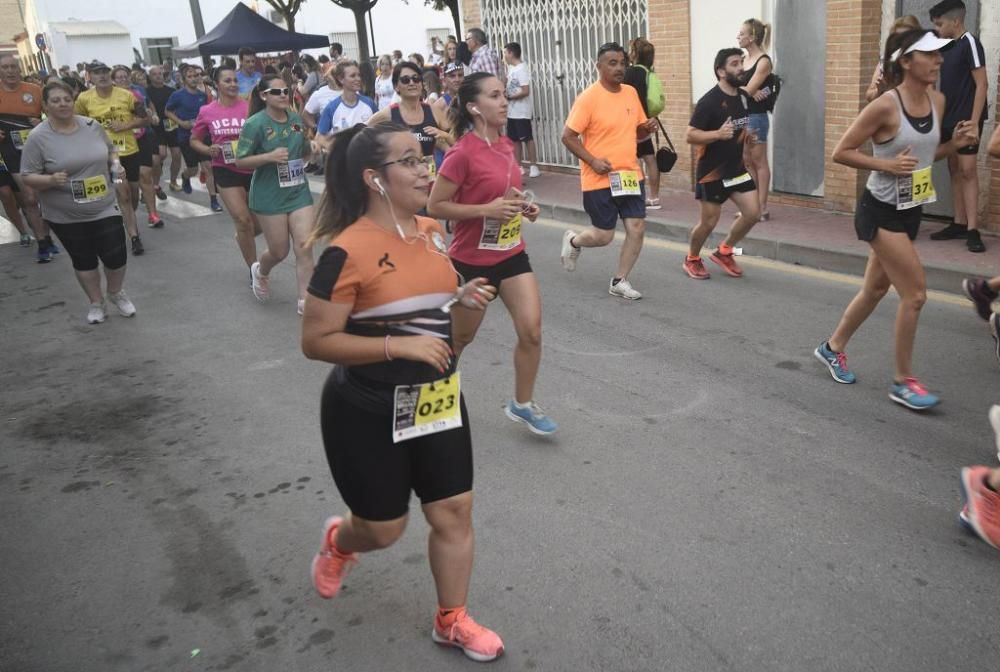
[{"x": 66, "y": 160}]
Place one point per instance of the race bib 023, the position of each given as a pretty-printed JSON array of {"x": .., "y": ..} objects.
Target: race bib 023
[{"x": 419, "y": 410}]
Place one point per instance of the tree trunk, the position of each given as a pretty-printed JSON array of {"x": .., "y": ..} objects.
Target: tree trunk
[
  {"x": 289, "y": 21},
  {"x": 364, "y": 43},
  {"x": 453, "y": 6}
]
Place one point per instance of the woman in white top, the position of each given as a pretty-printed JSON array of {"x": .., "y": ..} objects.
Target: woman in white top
[{"x": 384, "y": 90}]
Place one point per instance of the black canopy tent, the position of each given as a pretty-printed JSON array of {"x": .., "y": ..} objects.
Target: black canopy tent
[{"x": 243, "y": 27}]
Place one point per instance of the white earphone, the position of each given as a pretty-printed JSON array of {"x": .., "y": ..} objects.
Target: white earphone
[
  {"x": 475, "y": 110},
  {"x": 378, "y": 183}
]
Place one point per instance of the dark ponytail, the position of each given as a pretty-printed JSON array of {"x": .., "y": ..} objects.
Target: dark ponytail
[
  {"x": 892, "y": 71},
  {"x": 462, "y": 120},
  {"x": 345, "y": 199},
  {"x": 256, "y": 102}
]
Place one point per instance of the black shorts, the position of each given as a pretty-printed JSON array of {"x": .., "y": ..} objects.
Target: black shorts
[
  {"x": 948, "y": 133},
  {"x": 227, "y": 179},
  {"x": 167, "y": 138},
  {"x": 519, "y": 130},
  {"x": 374, "y": 475},
  {"x": 131, "y": 164},
  {"x": 605, "y": 209},
  {"x": 85, "y": 242},
  {"x": 645, "y": 148},
  {"x": 7, "y": 180},
  {"x": 508, "y": 268},
  {"x": 148, "y": 148},
  {"x": 717, "y": 192},
  {"x": 191, "y": 157},
  {"x": 872, "y": 215}
]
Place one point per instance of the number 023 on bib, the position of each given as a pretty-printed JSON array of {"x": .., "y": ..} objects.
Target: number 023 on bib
[{"x": 419, "y": 410}]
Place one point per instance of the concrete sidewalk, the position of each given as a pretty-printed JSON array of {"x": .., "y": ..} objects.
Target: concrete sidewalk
[{"x": 796, "y": 235}]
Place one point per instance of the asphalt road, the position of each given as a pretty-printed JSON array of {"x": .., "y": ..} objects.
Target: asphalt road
[{"x": 713, "y": 501}]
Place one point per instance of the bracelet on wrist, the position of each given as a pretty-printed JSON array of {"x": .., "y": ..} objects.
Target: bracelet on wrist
[{"x": 388, "y": 357}]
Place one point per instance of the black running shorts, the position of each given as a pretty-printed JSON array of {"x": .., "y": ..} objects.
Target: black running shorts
[{"x": 374, "y": 475}]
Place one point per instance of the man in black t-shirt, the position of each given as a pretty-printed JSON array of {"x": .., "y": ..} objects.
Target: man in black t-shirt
[
  {"x": 964, "y": 85},
  {"x": 158, "y": 93},
  {"x": 719, "y": 129}
]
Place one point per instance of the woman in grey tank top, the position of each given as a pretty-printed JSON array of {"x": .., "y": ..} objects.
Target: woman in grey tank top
[{"x": 903, "y": 125}]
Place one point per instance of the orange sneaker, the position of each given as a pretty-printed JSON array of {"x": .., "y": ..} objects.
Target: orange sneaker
[
  {"x": 728, "y": 263},
  {"x": 330, "y": 566},
  {"x": 696, "y": 269},
  {"x": 477, "y": 642},
  {"x": 983, "y": 504}
]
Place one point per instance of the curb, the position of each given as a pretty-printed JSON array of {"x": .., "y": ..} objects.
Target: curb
[{"x": 838, "y": 260}]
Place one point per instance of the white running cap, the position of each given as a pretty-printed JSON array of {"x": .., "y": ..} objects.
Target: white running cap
[{"x": 929, "y": 42}]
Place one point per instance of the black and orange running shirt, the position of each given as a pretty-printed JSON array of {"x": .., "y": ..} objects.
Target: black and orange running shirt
[
  {"x": 395, "y": 288},
  {"x": 722, "y": 159}
]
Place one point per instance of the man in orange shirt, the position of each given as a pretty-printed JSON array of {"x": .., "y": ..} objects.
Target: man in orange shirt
[
  {"x": 602, "y": 130},
  {"x": 20, "y": 111}
]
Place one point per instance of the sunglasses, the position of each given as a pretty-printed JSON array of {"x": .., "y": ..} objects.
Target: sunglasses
[
  {"x": 277, "y": 92},
  {"x": 411, "y": 79}
]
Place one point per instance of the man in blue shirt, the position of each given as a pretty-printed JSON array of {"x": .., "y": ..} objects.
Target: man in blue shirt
[
  {"x": 247, "y": 76},
  {"x": 182, "y": 108}
]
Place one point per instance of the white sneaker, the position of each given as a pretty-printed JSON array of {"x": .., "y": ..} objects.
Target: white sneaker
[
  {"x": 568, "y": 254},
  {"x": 259, "y": 283},
  {"x": 534, "y": 172},
  {"x": 624, "y": 289},
  {"x": 96, "y": 314},
  {"x": 995, "y": 422},
  {"x": 121, "y": 301},
  {"x": 301, "y": 306}
]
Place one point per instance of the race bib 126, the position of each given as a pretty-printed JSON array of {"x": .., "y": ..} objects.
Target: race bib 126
[{"x": 624, "y": 183}]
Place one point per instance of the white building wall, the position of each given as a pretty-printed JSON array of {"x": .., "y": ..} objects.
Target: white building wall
[
  {"x": 714, "y": 24},
  {"x": 397, "y": 25},
  {"x": 110, "y": 49}
]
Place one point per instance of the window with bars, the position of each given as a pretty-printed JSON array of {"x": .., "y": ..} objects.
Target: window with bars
[
  {"x": 350, "y": 43},
  {"x": 157, "y": 49}
]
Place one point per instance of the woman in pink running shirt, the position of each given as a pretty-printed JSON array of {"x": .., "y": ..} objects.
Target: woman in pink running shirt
[{"x": 220, "y": 122}]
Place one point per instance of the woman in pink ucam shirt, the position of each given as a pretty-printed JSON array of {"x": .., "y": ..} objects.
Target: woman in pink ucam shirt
[{"x": 219, "y": 123}]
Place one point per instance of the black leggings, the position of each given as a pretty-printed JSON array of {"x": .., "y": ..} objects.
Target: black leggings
[
  {"x": 374, "y": 475},
  {"x": 86, "y": 241}
]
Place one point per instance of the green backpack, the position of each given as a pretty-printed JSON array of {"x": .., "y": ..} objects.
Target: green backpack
[{"x": 655, "y": 101}]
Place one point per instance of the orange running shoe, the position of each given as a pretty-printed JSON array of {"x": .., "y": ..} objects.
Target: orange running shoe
[
  {"x": 696, "y": 269},
  {"x": 728, "y": 263},
  {"x": 477, "y": 642},
  {"x": 983, "y": 504},
  {"x": 330, "y": 566}
]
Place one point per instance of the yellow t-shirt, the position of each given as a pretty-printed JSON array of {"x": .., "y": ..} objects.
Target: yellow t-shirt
[
  {"x": 609, "y": 124},
  {"x": 119, "y": 106}
]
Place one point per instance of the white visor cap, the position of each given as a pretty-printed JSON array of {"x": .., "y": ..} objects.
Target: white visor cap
[{"x": 929, "y": 42}]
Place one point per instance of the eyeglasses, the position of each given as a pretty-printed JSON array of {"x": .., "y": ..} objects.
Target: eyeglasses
[
  {"x": 277, "y": 92},
  {"x": 410, "y": 79},
  {"x": 413, "y": 163}
]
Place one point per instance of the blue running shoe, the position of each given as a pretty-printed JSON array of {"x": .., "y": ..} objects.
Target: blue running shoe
[
  {"x": 532, "y": 415},
  {"x": 913, "y": 395},
  {"x": 836, "y": 362},
  {"x": 215, "y": 204},
  {"x": 186, "y": 185},
  {"x": 44, "y": 254},
  {"x": 54, "y": 249}
]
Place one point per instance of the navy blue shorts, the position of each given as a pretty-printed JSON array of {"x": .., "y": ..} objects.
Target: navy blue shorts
[
  {"x": 519, "y": 130},
  {"x": 605, "y": 209}
]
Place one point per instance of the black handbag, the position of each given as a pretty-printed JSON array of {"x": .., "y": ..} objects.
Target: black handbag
[{"x": 665, "y": 157}]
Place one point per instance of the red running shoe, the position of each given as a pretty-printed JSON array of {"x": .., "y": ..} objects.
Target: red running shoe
[
  {"x": 983, "y": 504},
  {"x": 728, "y": 264},
  {"x": 696, "y": 269}
]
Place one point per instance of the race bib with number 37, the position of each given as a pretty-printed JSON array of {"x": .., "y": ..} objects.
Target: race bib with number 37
[
  {"x": 425, "y": 409},
  {"x": 915, "y": 189},
  {"x": 624, "y": 183}
]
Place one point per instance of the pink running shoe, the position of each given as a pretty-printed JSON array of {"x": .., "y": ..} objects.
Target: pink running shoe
[
  {"x": 478, "y": 643},
  {"x": 983, "y": 504},
  {"x": 330, "y": 566}
]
